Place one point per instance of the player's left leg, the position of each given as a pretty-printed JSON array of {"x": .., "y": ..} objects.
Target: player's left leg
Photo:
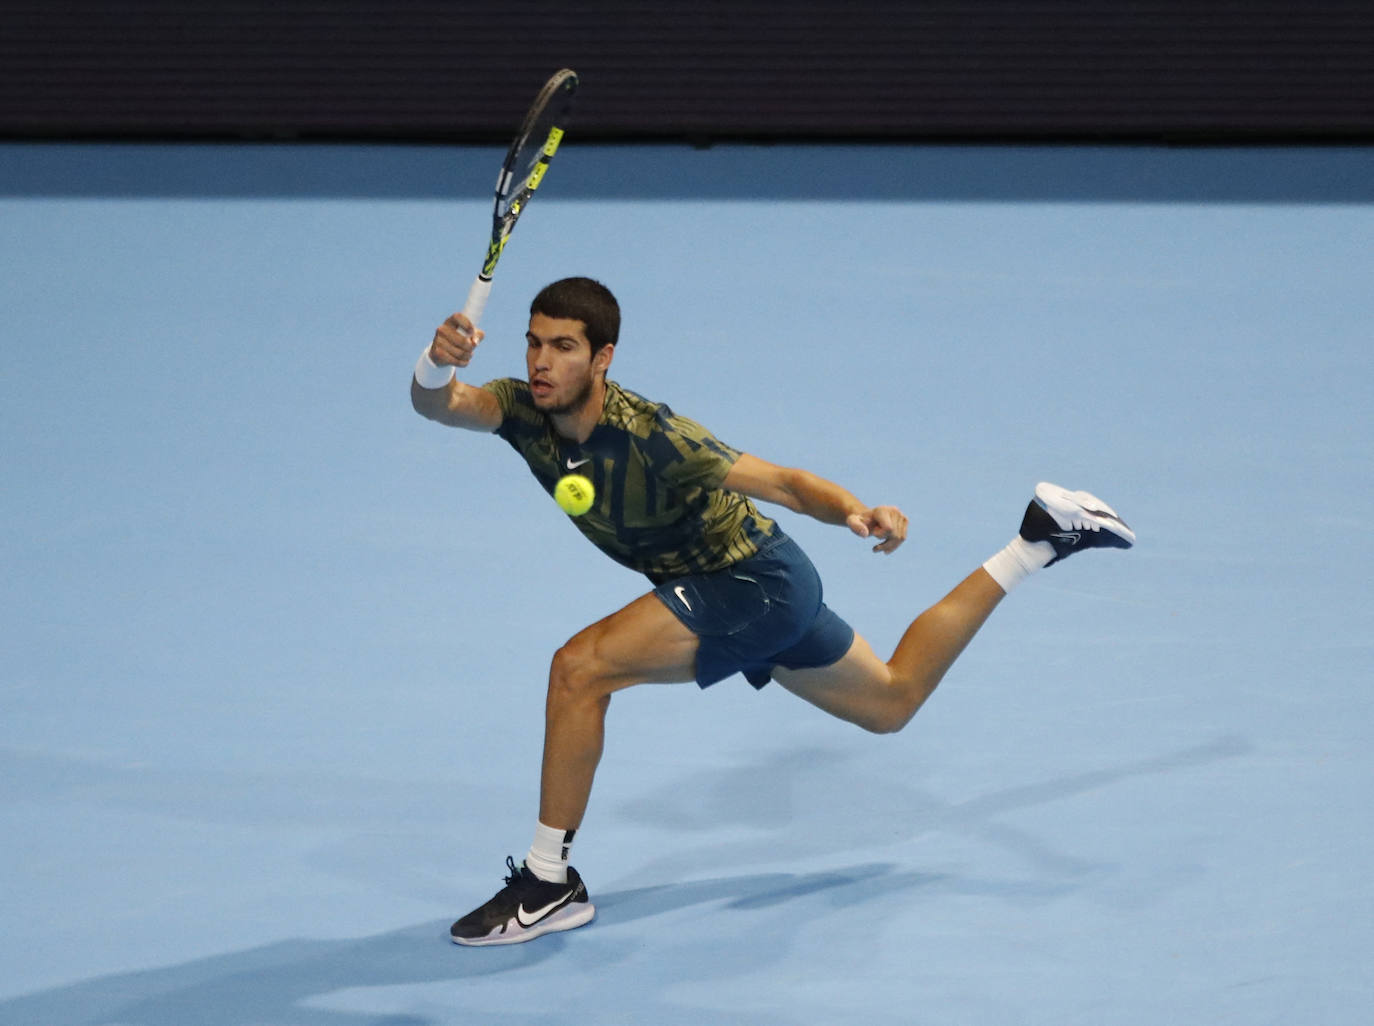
[{"x": 883, "y": 696}]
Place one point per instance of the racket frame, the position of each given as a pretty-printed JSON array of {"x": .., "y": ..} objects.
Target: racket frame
[{"x": 511, "y": 197}]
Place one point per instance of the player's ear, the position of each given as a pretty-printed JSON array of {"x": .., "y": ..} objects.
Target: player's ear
[{"x": 602, "y": 360}]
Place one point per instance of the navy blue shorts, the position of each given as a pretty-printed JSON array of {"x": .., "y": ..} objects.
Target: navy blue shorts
[{"x": 763, "y": 612}]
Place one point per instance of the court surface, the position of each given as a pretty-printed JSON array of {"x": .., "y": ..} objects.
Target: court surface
[{"x": 274, "y": 646}]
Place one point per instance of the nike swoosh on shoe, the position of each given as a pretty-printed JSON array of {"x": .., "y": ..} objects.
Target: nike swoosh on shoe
[{"x": 542, "y": 913}]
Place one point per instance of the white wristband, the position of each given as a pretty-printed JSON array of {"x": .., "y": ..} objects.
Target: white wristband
[{"x": 429, "y": 374}]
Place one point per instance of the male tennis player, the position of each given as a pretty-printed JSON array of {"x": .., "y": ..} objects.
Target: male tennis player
[{"x": 731, "y": 592}]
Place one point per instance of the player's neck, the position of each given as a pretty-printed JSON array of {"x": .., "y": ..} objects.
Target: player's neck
[{"x": 577, "y": 425}]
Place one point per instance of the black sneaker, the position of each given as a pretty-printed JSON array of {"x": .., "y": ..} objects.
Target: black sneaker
[
  {"x": 1073, "y": 521},
  {"x": 525, "y": 908}
]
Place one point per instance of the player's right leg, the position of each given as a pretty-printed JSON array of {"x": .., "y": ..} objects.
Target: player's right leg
[{"x": 640, "y": 644}]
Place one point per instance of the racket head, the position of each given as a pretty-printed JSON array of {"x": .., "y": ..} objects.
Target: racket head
[
  {"x": 534, "y": 147},
  {"x": 523, "y": 169}
]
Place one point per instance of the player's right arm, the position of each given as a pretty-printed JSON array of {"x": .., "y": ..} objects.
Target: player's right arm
[{"x": 455, "y": 403}]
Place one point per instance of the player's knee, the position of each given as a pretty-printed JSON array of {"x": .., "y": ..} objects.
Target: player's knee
[
  {"x": 886, "y": 708},
  {"x": 576, "y": 671},
  {"x": 886, "y": 717},
  {"x": 883, "y": 721}
]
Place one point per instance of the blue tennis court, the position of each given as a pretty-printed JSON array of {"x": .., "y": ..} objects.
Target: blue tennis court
[{"x": 275, "y": 653}]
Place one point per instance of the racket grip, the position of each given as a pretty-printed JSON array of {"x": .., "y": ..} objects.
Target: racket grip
[{"x": 477, "y": 300}]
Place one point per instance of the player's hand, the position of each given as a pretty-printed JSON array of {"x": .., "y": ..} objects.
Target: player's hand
[
  {"x": 455, "y": 341},
  {"x": 885, "y": 522}
]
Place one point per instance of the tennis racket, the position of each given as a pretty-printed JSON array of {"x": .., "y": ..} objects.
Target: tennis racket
[{"x": 524, "y": 168}]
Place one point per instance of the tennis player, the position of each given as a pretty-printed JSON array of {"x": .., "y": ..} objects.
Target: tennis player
[{"x": 731, "y": 592}]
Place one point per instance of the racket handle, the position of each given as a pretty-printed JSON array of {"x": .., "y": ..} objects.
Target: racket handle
[{"x": 477, "y": 299}]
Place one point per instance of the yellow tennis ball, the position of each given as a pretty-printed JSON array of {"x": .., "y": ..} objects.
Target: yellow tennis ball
[{"x": 574, "y": 494}]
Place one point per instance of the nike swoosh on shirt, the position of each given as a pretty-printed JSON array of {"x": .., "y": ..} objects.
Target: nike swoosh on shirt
[
  {"x": 541, "y": 913},
  {"x": 574, "y": 466}
]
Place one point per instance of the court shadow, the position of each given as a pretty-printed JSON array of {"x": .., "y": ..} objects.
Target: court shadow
[
  {"x": 757, "y": 890},
  {"x": 275, "y": 983},
  {"x": 849, "y": 795},
  {"x": 271, "y": 984}
]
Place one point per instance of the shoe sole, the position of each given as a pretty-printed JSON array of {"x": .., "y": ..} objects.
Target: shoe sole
[
  {"x": 1072, "y": 510},
  {"x": 567, "y": 918}
]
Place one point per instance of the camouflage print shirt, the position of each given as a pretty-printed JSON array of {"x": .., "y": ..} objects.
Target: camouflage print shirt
[{"x": 659, "y": 507}]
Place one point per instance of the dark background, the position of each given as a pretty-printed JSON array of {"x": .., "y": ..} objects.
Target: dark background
[{"x": 421, "y": 69}]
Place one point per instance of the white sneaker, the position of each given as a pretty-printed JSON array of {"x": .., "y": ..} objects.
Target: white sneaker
[{"x": 1073, "y": 521}]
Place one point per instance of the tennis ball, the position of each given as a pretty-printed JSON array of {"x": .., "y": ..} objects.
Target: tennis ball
[{"x": 574, "y": 494}]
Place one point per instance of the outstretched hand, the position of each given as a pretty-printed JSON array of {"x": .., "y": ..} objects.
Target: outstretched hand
[{"x": 885, "y": 522}]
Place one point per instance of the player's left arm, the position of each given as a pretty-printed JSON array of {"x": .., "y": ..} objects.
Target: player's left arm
[{"x": 804, "y": 492}]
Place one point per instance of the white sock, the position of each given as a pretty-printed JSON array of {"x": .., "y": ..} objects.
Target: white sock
[
  {"x": 1018, "y": 561},
  {"x": 548, "y": 857}
]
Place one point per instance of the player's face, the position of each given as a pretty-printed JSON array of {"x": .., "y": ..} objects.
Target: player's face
[{"x": 558, "y": 358}]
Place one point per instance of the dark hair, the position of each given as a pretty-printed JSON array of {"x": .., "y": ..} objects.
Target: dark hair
[{"x": 585, "y": 300}]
